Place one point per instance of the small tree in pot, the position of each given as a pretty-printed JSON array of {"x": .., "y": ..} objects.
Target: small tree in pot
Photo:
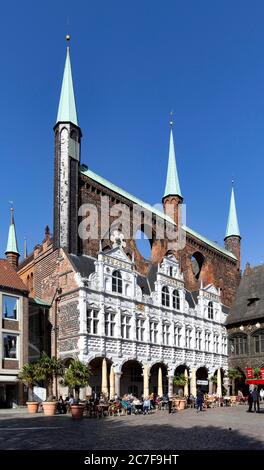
[
  {"x": 48, "y": 369},
  {"x": 76, "y": 377},
  {"x": 27, "y": 375}
]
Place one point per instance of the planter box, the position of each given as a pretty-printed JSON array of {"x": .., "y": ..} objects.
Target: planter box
[
  {"x": 77, "y": 411},
  {"x": 49, "y": 407},
  {"x": 32, "y": 406}
]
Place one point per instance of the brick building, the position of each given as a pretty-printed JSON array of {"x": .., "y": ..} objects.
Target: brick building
[
  {"x": 246, "y": 324},
  {"x": 14, "y": 325},
  {"x": 138, "y": 320}
]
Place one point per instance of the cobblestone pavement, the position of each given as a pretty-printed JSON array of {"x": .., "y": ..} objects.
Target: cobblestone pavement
[{"x": 218, "y": 428}]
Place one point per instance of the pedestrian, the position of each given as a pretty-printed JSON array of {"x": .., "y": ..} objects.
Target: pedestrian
[
  {"x": 199, "y": 401},
  {"x": 255, "y": 397},
  {"x": 250, "y": 401}
]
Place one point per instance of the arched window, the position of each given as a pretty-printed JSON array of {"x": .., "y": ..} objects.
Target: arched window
[
  {"x": 117, "y": 282},
  {"x": 165, "y": 296},
  {"x": 176, "y": 299},
  {"x": 259, "y": 342},
  {"x": 210, "y": 311}
]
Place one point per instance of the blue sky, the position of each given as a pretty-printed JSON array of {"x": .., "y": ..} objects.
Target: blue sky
[{"x": 132, "y": 62}]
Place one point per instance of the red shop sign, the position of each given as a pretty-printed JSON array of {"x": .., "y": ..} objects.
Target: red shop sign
[
  {"x": 249, "y": 373},
  {"x": 262, "y": 372}
]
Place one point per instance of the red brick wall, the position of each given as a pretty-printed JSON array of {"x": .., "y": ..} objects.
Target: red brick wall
[{"x": 218, "y": 269}]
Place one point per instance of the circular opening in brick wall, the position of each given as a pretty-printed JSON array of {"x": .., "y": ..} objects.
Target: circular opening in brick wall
[
  {"x": 197, "y": 261},
  {"x": 143, "y": 244}
]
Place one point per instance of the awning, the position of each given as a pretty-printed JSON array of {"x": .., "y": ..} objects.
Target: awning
[{"x": 255, "y": 381}]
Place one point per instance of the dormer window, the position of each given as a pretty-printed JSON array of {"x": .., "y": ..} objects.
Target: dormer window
[
  {"x": 176, "y": 299},
  {"x": 117, "y": 282},
  {"x": 210, "y": 311},
  {"x": 165, "y": 297},
  {"x": 171, "y": 271}
]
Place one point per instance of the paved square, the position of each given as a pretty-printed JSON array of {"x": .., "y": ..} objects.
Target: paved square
[{"x": 217, "y": 428}]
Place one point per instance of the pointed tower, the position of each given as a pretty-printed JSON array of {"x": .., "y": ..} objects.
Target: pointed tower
[
  {"x": 172, "y": 196},
  {"x": 67, "y": 159},
  {"x": 12, "y": 253},
  {"x": 232, "y": 236}
]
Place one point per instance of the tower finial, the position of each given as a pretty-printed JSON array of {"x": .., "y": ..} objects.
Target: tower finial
[
  {"x": 68, "y": 37},
  {"x": 232, "y": 228},
  {"x": 67, "y": 107},
  {"x": 171, "y": 118},
  {"x": 172, "y": 181}
]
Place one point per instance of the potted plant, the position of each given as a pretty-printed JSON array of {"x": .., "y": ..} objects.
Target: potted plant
[
  {"x": 27, "y": 375},
  {"x": 180, "y": 381},
  {"x": 48, "y": 369},
  {"x": 213, "y": 379},
  {"x": 234, "y": 374},
  {"x": 76, "y": 377}
]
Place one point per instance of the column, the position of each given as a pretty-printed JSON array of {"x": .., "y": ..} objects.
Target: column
[
  {"x": 104, "y": 388},
  {"x": 160, "y": 386},
  {"x": 186, "y": 386},
  {"x": 112, "y": 382},
  {"x": 117, "y": 383},
  {"x": 170, "y": 385},
  {"x": 146, "y": 380},
  {"x": 219, "y": 383},
  {"x": 193, "y": 382},
  {"x": 210, "y": 386}
]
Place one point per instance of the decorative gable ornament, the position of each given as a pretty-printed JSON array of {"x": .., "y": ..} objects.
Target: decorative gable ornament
[{"x": 117, "y": 239}]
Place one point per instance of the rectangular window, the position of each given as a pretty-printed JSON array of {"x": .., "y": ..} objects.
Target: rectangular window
[
  {"x": 188, "y": 338},
  {"x": 9, "y": 347},
  {"x": 216, "y": 343},
  {"x": 165, "y": 333},
  {"x": 125, "y": 326},
  {"x": 153, "y": 332},
  {"x": 92, "y": 321},
  {"x": 207, "y": 342},
  {"x": 140, "y": 329},
  {"x": 198, "y": 339},
  {"x": 109, "y": 324},
  {"x": 177, "y": 336},
  {"x": 9, "y": 307},
  {"x": 224, "y": 342}
]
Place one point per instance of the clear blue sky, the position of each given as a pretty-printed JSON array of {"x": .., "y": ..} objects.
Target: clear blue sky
[{"x": 132, "y": 62}]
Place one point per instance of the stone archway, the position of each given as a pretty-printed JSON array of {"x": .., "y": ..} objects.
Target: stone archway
[
  {"x": 154, "y": 378},
  {"x": 182, "y": 370},
  {"x": 95, "y": 382},
  {"x": 202, "y": 376},
  {"x": 132, "y": 378}
]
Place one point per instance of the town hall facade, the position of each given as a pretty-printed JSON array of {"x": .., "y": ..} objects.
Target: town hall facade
[{"x": 137, "y": 322}]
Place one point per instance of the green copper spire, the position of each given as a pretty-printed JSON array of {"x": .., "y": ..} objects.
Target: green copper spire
[
  {"x": 232, "y": 228},
  {"x": 172, "y": 182},
  {"x": 12, "y": 240},
  {"x": 67, "y": 109}
]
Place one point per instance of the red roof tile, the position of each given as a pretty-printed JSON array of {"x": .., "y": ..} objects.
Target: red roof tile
[{"x": 9, "y": 277}]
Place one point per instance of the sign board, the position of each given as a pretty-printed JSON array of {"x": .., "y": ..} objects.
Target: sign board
[
  {"x": 249, "y": 373},
  {"x": 39, "y": 394},
  {"x": 202, "y": 382}
]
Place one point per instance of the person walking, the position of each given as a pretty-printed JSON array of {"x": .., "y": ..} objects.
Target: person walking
[
  {"x": 255, "y": 396},
  {"x": 199, "y": 401},
  {"x": 250, "y": 401}
]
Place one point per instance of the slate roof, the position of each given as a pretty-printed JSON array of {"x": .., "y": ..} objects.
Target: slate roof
[
  {"x": 9, "y": 277},
  {"x": 83, "y": 264},
  {"x": 249, "y": 303}
]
